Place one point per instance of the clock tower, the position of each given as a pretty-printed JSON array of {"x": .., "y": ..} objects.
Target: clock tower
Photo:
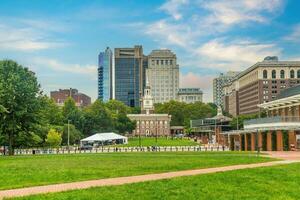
[{"x": 147, "y": 101}]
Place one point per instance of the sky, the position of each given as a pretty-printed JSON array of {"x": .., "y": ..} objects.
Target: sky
[{"x": 60, "y": 39}]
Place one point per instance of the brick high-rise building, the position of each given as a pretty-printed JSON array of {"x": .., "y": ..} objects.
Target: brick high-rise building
[
  {"x": 60, "y": 96},
  {"x": 259, "y": 84}
]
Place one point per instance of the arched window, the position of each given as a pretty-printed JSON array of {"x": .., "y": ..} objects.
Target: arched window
[
  {"x": 282, "y": 73},
  {"x": 292, "y": 74},
  {"x": 265, "y": 74},
  {"x": 273, "y": 73},
  {"x": 298, "y": 73}
]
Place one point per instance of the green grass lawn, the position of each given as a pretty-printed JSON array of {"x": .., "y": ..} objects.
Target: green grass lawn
[
  {"x": 279, "y": 182},
  {"x": 22, "y": 171},
  {"x": 161, "y": 141}
]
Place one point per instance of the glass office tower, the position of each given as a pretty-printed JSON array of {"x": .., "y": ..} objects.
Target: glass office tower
[
  {"x": 105, "y": 75},
  {"x": 129, "y": 75}
]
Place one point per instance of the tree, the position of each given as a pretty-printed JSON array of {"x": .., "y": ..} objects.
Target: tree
[
  {"x": 53, "y": 138},
  {"x": 72, "y": 114},
  {"x": 98, "y": 118},
  {"x": 50, "y": 113},
  {"x": 74, "y": 134},
  {"x": 19, "y": 92},
  {"x": 124, "y": 124}
]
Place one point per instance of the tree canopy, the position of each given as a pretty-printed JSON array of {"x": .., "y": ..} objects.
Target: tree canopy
[{"x": 19, "y": 92}]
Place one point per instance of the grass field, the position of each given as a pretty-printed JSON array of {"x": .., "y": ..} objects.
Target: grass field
[
  {"x": 22, "y": 171},
  {"x": 279, "y": 182},
  {"x": 161, "y": 141}
]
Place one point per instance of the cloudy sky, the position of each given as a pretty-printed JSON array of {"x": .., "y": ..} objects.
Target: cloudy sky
[{"x": 60, "y": 39}]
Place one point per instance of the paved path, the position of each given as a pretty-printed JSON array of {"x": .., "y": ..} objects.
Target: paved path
[{"x": 130, "y": 179}]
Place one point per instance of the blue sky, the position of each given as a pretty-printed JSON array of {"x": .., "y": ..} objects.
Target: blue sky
[{"x": 60, "y": 39}]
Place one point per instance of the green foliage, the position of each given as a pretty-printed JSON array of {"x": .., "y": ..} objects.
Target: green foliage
[
  {"x": 75, "y": 134},
  {"x": 19, "y": 91},
  {"x": 182, "y": 112},
  {"x": 97, "y": 118},
  {"x": 53, "y": 138},
  {"x": 50, "y": 113},
  {"x": 124, "y": 124}
]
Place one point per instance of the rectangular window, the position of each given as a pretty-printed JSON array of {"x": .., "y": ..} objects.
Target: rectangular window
[{"x": 161, "y": 62}]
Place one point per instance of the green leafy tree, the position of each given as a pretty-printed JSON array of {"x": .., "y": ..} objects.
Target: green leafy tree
[
  {"x": 19, "y": 91},
  {"x": 75, "y": 134},
  {"x": 50, "y": 113},
  {"x": 124, "y": 124},
  {"x": 53, "y": 138},
  {"x": 72, "y": 114},
  {"x": 98, "y": 118}
]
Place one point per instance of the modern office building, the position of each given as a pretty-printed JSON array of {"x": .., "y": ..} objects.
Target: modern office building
[
  {"x": 279, "y": 131},
  {"x": 148, "y": 123},
  {"x": 163, "y": 75},
  {"x": 130, "y": 65},
  {"x": 60, "y": 96},
  {"x": 218, "y": 84},
  {"x": 105, "y": 86},
  {"x": 259, "y": 84},
  {"x": 190, "y": 95}
]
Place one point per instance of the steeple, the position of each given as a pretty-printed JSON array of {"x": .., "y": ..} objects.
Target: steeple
[{"x": 147, "y": 100}]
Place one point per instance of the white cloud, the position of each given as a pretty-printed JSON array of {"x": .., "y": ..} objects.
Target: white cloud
[
  {"x": 88, "y": 70},
  {"x": 235, "y": 55},
  {"x": 226, "y": 13},
  {"x": 28, "y": 35},
  {"x": 295, "y": 35},
  {"x": 169, "y": 33},
  {"x": 172, "y": 7}
]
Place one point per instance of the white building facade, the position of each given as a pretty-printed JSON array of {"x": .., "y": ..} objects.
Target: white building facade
[
  {"x": 190, "y": 95},
  {"x": 219, "y": 83},
  {"x": 163, "y": 75}
]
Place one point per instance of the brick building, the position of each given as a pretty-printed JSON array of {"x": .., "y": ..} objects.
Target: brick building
[
  {"x": 277, "y": 132},
  {"x": 148, "y": 123},
  {"x": 261, "y": 83},
  {"x": 60, "y": 96}
]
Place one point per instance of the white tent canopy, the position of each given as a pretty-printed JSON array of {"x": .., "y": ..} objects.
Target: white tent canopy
[{"x": 104, "y": 138}]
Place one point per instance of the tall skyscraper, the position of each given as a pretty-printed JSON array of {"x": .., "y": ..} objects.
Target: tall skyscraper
[
  {"x": 130, "y": 64},
  {"x": 105, "y": 87},
  {"x": 218, "y": 84},
  {"x": 163, "y": 75}
]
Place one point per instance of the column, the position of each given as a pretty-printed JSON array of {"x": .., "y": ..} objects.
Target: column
[
  {"x": 246, "y": 142},
  {"x": 240, "y": 139},
  {"x": 292, "y": 138},
  {"x": 279, "y": 141},
  {"x": 259, "y": 140},
  {"x": 269, "y": 141},
  {"x": 253, "y": 141}
]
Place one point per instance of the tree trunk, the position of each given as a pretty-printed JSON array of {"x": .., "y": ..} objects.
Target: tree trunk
[{"x": 10, "y": 145}]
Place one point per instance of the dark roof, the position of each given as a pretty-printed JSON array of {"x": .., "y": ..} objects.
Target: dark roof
[{"x": 289, "y": 92}]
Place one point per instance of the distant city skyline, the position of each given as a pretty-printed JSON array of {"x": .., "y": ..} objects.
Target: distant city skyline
[{"x": 61, "y": 40}]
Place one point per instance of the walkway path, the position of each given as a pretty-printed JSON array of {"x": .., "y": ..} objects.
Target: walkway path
[{"x": 133, "y": 179}]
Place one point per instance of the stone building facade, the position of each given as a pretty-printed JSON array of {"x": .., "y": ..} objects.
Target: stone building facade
[
  {"x": 190, "y": 95},
  {"x": 163, "y": 75},
  {"x": 259, "y": 84}
]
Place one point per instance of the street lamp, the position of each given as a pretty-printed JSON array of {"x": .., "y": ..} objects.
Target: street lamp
[{"x": 69, "y": 134}]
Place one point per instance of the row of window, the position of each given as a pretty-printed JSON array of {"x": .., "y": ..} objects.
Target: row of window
[
  {"x": 282, "y": 74},
  {"x": 162, "y": 62}
]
